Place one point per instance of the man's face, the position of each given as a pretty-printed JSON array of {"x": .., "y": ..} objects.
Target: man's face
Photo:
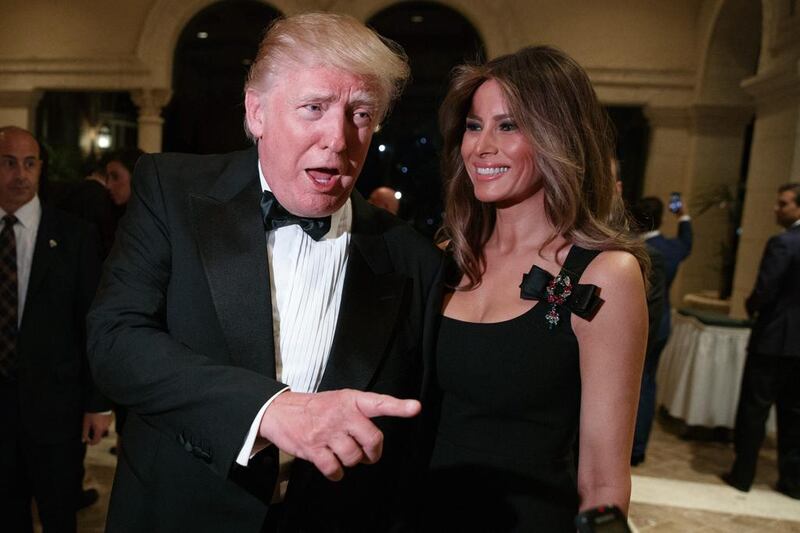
[
  {"x": 20, "y": 168},
  {"x": 118, "y": 182},
  {"x": 314, "y": 127},
  {"x": 787, "y": 212}
]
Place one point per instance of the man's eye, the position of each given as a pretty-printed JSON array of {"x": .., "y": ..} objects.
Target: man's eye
[
  {"x": 362, "y": 117},
  {"x": 313, "y": 107}
]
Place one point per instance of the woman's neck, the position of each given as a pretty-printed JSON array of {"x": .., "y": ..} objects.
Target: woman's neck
[{"x": 522, "y": 226}]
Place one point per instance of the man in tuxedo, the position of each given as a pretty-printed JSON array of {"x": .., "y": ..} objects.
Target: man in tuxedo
[
  {"x": 49, "y": 409},
  {"x": 647, "y": 214},
  {"x": 772, "y": 370},
  {"x": 256, "y": 309}
]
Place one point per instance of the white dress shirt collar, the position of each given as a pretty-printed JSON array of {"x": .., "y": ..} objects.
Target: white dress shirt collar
[{"x": 29, "y": 214}]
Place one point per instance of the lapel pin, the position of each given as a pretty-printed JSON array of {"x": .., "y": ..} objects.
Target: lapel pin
[{"x": 53, "y": 243}]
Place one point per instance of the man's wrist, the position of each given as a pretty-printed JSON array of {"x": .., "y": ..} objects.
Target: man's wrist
[{"x": 253, "y": 443}]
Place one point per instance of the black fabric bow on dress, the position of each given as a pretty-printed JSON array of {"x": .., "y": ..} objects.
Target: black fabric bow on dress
[
  {"x": 583, "y": 299},
  {"x": 276, "y": 216}
]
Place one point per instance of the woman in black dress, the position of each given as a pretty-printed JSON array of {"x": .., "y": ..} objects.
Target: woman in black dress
[{"x": 539, "y": 372}]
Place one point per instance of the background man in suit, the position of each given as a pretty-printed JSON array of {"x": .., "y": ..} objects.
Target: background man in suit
[
  {"x": 385, "y": 198},
  {"x": 89, "y": 200},
  {"x": 246, "y": 290},
  {"x": 647, "y": 214},
  {"x": 772, "y": 371},
  {"x": 48, "y": 409}
]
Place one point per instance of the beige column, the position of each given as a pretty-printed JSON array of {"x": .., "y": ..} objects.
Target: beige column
[
  {"x": 668, "y": 160},
  {"x": 714, "y": 165},
  {"x": 18, "y": 108},
  {"x": 774, "y": 159},
  {"x": 150, "y": 103},
  {"x": 669, "y": 149}
]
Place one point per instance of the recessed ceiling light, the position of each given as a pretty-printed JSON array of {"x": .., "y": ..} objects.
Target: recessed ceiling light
[
  {"x": 417, "y": 18},
  {"x": 202, "y": 35}
]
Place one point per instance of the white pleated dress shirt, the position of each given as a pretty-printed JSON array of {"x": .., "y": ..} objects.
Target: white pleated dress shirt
[{"x": 306, "y": 281}]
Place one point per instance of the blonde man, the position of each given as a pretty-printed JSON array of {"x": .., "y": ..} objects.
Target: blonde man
[{"x": 255, "y": 303}]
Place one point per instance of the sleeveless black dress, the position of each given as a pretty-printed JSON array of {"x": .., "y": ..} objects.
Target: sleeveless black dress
[{"x": 504, "y": 458}]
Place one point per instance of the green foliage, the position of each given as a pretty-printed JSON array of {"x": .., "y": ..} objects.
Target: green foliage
[{"x": 64, "y": 163}]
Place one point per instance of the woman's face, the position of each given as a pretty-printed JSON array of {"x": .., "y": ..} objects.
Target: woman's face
[
  {"x": 118, "y": 183},
  {"x": 498, "y": 156}
]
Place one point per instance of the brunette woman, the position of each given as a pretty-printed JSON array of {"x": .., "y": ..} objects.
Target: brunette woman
[{"x": 541, "y": 345}]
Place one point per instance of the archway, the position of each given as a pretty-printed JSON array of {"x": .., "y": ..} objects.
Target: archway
[
  {"x": 211, "y": 60},
  {"x": 724, "y": 118},
  {"x": 405, "y": 153}
]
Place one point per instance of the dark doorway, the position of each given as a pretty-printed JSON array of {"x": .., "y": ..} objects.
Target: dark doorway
[
  {"x": 76, "y": 128},
  {"x": 405, "y": 154},
  {"x": 212, "y": 58},
  {"x": 632, "y": 136}
]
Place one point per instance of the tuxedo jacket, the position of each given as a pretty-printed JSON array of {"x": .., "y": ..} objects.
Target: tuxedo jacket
[
  {"x": 673, "y": 251},
  {"x": 181, "y": 334},
  {"x": 775, "y": 300},
  {"x": 54, "y": 384}
]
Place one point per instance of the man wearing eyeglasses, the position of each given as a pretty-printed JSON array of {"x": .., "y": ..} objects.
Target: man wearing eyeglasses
[{"x": 49, "y": 266}]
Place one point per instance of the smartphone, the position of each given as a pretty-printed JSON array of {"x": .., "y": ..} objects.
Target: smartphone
[
  {"x": 675, "y": 202},
  {"x": 603, "y": 519}
]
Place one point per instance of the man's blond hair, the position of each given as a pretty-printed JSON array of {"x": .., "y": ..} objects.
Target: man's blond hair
[{"x": 330, "y": 40}]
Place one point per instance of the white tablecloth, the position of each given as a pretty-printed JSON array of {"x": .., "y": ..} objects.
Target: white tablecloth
[{"x": 700, "y": 372}]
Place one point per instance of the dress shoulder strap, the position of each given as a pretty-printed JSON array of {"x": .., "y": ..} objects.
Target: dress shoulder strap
[
  {"x": 562, "y": 293},
  {"x": 577, "y": 260}
]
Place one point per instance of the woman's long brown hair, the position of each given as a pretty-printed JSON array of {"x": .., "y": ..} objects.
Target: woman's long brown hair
[{"x": 552, "y": 100}]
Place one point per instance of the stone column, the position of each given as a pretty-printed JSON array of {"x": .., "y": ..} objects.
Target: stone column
[
  {"x": 714, "y": 165},
  {"x": 669, "y": 149},
  {"x": 18, "y": 108},
  {"x": 667, "y": 161},
  {"x": 774, "y": 159},
  {"x": 150, "y": 103}
]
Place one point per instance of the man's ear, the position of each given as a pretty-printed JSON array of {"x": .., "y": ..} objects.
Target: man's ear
[{"x": 254, "y": 112}]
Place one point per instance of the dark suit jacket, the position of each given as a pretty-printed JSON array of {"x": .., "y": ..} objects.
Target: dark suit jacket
[
  {"x": 181, "y": 334},
  {"x": 54, "y": 382},
  {"x": 674, "y": 251},
  {"x": 90, "y": 201},
  {"x": 656, "y": 295},
  {"x": 775, "y": 300}
]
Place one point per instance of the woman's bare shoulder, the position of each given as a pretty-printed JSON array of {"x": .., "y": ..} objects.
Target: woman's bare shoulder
[{"x": 614, "y": 269}]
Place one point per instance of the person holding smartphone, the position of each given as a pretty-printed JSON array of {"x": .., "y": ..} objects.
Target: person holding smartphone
[{"x": 647, "y": 214}]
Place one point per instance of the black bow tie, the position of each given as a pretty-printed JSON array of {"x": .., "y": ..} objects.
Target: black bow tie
[{"x": 276, "y": 216}]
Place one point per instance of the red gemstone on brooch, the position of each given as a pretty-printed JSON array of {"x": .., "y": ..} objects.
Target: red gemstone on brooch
[{"x": 558, "y": 290}]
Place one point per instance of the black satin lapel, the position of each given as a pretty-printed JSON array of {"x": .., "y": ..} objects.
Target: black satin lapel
[
  {"x": 371, "y": 301},
  {"x": 47, "y": 243},
  {"x": 233, "y": 248}
]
